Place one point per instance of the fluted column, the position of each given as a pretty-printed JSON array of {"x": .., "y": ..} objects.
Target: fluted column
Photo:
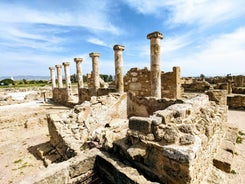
[
  {"x": 52, "y": 75},
  {"x": 68, "y": 79},
  {"x": 119, "y": 67},
  {"x": 78, "y": 62},
  {"x": 59, "y": 75},
  {"x": 155, "y": 38},
  {"x": 95, "y": 70}
]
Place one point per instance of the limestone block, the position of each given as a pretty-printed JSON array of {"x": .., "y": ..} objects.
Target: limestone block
[
  {"x": 219, "y": 96},
  {"x": 186, "y": 139},
  {"x": 223, "y": 160},
  {"x": 166, "y": 115},
  {"x": 83, "y": 163},
  {"x": 140, "y": 124},
  {"x": 170, "y": 135},
  {"x": 137, "y": 152}
]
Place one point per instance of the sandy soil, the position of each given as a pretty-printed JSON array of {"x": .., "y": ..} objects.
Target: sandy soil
[{"x": 24, "y": 127}]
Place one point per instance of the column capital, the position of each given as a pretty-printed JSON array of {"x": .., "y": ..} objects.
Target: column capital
[
  {"x": 58, "y": 66},
  {"x": 66, "y": 63},
  {"x": 78, "y": 60},
  {"x": 119, "y": 47},
  {"x": 94, "y": 54},
  {"x": 51, "y": 68},
  {"x": 155, "y": 34}
]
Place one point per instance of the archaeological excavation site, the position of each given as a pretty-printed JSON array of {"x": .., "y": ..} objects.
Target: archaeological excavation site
[{"x": 146, "y": 126}]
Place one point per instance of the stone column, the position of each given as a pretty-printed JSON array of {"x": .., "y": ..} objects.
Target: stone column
[
  {"x": 119, "y": 67},
  {"x": 177, "y": 82},
  {"x": 59, "y": 75},
  {"x": 78, "y": 62},
  {"x": 95, "y": 70},
  {"x": 155, "y": 63},
  {"x": 68, "y": 79},
  {"x": 52, "y": 77},
  {"x": 229, "y": 87}
]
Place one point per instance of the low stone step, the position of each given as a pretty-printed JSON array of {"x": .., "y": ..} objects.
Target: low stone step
[{"x": 224, "y": 157}]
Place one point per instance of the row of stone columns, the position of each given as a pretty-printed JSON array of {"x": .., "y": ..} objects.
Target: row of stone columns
[
  {"x": 95, "y": 71},
  {"x": 154, "y": 37}
]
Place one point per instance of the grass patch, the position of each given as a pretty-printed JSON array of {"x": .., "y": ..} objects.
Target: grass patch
[
  {"x": 233, "y": 172},
  {"x": 239, "y": 140},
  {"x": 22, "y": 166},
  {"x": 17, "y": 161},
  {"x": 241, "y": 133}
]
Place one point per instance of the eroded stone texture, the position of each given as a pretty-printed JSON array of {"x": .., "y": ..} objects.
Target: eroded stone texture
[
  {"x": 119, "y": 67},
  {"x": 52, "y": 74},
  {"x": 101, "y": 119},
  {"x": 59, "y": 75},
  {"x": 68, "y": 80},
  {"x": 78, "y": 62},
  {"x": 218, "y": 96},
  {"x": 95, "y": 70},
  {"x": 155, "y": 46},
  {"x": 236, "y": 101},
  {"x": 137, "y": 81},
  {"x": 174, "y": 146}
]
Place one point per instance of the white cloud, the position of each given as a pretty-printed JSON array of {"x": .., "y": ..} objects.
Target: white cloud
[
  {"x": 202, "y": 12},
  {"x": 87, "y": 16},
  {"x": 97, "y": 41},
  {"x": 218, "y": 56}
]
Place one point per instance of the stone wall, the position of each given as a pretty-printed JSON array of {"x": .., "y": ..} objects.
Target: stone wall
[
  {"x": 175, "y": 145},
  {"x": 239, "y": 81},
  {"x": 79, "y": 169},
  {"x": 218, "y": 96},
  {"x": 85, "y": 94},
  {"x": 236, "y": 102},
  {"x": 146, "y": 106},
  {"x": 93, "y": 120},
  {"x": 238, "y": 90},
  {"x": 196, "y": 86},
  {"x": 171, "y": 84},
  {"x": 60, "y": 95},
  {"x": 137, "y": 81}
]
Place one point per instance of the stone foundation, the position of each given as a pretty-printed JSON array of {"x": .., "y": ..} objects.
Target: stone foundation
[
  {"x": 236, "y": 102},
  {"x": 175, "y": 145}
]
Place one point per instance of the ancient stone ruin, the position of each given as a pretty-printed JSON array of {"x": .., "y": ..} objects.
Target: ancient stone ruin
[{"x": 140, "y": 129}]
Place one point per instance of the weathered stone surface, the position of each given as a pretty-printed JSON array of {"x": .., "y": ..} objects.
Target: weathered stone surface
[
  {"x": 223, "y": 160},
  {"x": 140, "y": 124},
  {"x": 219, "y": 96},
  {"x": 186, "y": 139},
  {"x": 236, "y": 101}
]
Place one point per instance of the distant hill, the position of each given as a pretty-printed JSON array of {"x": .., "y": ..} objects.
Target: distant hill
[{"x": 27, "y": 77}]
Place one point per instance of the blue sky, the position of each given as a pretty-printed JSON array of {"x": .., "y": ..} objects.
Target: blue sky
[{"x": 201, "y": 36}]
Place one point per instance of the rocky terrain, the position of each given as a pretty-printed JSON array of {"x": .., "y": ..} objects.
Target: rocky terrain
[{"x": 23, "y": 130}]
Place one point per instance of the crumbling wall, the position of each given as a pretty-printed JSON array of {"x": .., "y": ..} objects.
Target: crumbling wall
[
  {"x": 171, "y": 84},
  {"x": 94, "y": 120},
  {"x": 146, "y": 106},
  {"x": 60, "y": 95},
  {"x": 239, "y": 81},
  {"x": 175, "y": 145},
  {"x": 196, "y": 86},
  {"x": 236, "y": 102},
  {"x": 138, "y": 82},
  {"x": 79, "y": 169},
  {"x": 85, "y": 94}
]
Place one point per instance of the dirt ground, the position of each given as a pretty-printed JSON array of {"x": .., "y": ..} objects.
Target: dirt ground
[{"x": 24, "y": 126}]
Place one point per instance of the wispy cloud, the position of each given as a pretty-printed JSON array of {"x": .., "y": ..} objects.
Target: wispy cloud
[
  {"x": 89, "y": 17},
  {"x": 97, "y": 41},
  {"x": 220, "y": 56},
  {"x": 202, "y": 12}
]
